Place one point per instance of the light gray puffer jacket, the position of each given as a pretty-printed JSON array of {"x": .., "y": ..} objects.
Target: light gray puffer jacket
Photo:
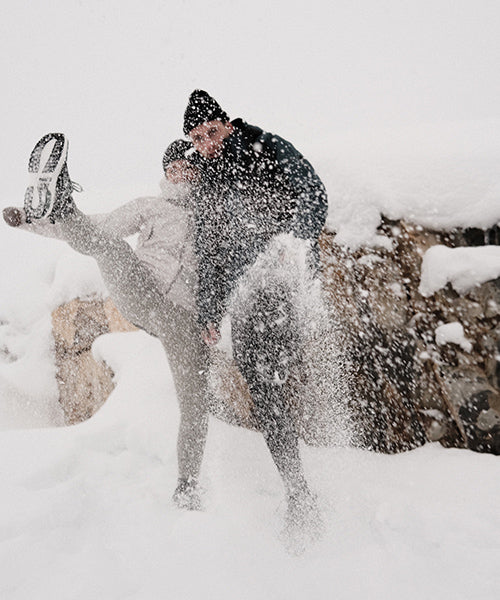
[{"x": 165, "y": 241}]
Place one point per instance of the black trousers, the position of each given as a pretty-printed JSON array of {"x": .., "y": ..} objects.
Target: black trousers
[{"x": 267, "y": 348}]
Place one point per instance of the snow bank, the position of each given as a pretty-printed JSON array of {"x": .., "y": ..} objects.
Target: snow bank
[
  {"x": 38, "y": 275},
  {"x": 440, "y": 176},
  {"x": 464, "y": 268},
  {"x": 75, "y": 276},
  {"x": 452, "y": 333}
]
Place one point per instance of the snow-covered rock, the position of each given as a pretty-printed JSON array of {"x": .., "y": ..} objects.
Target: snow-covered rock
[
  {"x": 463, "y": 268},
  {"x": 424, "y": 366},
  {"x": 452, "y": 333}
]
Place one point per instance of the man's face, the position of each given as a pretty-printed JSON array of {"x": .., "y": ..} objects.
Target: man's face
[
  {"x": 181, "y": 171},
  {"x": 208, "y": 138}
]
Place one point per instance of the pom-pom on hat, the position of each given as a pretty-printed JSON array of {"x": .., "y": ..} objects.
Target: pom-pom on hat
[{"x": 202, "y": 108}]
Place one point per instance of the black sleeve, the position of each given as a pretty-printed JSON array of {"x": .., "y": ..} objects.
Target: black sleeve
[
  {"x": 211, "y": 279},
  {"x": 307, "y": 187}
]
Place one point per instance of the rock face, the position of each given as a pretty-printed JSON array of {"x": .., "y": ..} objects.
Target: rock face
[
  {"x": 84, "y": 384},
  {"x": 405, "y": 388}
]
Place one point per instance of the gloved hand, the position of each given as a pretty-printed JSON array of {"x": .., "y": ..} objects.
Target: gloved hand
[{"x": 14, "y": 217}]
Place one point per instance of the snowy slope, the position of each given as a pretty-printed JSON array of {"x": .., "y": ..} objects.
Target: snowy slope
[{"x": 86, "y": 511}]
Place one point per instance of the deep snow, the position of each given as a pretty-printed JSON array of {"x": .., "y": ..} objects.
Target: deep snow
[{"x": 86, "y": 511}]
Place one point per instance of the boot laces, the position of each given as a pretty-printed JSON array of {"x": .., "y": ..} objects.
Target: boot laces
[{"x": 76, "y": 187}]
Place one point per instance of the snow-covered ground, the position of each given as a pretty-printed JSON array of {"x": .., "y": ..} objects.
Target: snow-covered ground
[
  {"x": 396, "y": 104},
  {"x": 86, "y": 511}
]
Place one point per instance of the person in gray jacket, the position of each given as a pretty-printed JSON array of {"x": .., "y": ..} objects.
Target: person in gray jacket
[{"x": 153, "y": 286}]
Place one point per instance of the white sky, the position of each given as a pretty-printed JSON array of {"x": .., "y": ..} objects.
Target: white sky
[{"x": 115, "y": 74}]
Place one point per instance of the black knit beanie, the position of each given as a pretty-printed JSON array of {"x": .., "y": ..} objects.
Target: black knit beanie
[
  {"x": 202, "y": 108},
  {"x": 175, "y": 151}
]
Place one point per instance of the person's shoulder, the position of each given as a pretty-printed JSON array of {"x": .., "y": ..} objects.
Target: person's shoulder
[
  {"x": 248, "y": 133},
  {"x": 175, "y": 193},
  {"x": 265, "y": 143},
  {"x": 251, "y": 139},
  {"x": 275, "y": 147},
  {"x": 282, "y": 149}
]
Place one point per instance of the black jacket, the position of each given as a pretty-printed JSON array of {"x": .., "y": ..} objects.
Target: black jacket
[{"x": 259, "y": 187}]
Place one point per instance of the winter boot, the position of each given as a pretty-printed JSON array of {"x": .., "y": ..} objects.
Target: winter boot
[
  {"x": 187, "y": 495},
  {"x": 49, "y": 191},
  {"x": 303, "y": 521}
]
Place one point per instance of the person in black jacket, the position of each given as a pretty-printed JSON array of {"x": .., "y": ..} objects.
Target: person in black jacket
[{"x": 254, "y": 186}]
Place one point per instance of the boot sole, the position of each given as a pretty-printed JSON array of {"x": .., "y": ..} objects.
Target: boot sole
[{"x": 44, "y": 167}]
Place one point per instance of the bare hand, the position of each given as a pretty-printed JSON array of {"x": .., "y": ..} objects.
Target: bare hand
[{"x": 210, "y": 335}]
